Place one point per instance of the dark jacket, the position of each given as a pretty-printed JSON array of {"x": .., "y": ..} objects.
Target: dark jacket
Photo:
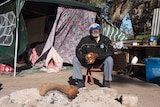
[{"x": 88, "y": 44}]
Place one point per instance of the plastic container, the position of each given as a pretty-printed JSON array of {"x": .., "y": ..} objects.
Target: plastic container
[{"x": 153, "y": 69}]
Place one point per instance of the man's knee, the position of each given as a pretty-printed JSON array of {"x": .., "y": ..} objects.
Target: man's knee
[{"x": 109, "y": 60}]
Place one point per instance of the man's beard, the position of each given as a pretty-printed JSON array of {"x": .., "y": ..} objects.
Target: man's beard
[{"x": 95, "y": 35}]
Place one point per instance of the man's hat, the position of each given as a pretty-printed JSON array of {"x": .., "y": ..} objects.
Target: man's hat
[{"x": 94, "y": 26}]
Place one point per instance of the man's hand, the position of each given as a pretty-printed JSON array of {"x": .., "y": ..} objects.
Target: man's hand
[{"x": 91, "y": 57}]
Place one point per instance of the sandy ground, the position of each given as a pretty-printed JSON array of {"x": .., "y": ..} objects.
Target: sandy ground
[{"x": 148, "y": 93}]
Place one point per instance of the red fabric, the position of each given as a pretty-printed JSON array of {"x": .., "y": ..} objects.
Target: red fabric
[{"x": 6, "y": 69}]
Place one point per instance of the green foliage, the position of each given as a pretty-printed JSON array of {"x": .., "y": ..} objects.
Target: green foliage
[{"x": 141, "y": 37}]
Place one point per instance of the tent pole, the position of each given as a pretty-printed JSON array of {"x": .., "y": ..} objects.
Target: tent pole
[
  {"x": 16, "y": 41},
  {"x": 16, "y": 49}
]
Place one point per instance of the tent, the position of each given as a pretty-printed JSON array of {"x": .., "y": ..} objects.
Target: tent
[
  {"x": 16, "y": 15},
  {"x": 113, "y": 32},
  {"x": 59, "y": 23}
]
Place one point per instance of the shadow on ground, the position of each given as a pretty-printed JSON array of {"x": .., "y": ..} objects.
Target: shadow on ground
[
  {"x": 136, "y": 79},
  {"x": 1, "y": 86},
  {"x": 74, "y": 82}
]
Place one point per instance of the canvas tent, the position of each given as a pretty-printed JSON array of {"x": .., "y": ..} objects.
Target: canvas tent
[
  {"x": 14, "y": 15},
  {"x": 113, "y": 32},
  {"x": 7, "y": 32},
  {"x": 29, "y": 21},
  {"x": 29, "y": 9}
]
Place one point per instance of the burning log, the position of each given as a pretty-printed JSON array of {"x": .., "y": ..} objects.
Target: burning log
[{"x": 70, "y": 90}]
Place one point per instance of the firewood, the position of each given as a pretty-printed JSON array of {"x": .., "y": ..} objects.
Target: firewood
[{"x": 70, "y": 90}]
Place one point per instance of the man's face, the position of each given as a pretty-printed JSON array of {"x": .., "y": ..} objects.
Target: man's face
[{"x": 96, "y": 33}]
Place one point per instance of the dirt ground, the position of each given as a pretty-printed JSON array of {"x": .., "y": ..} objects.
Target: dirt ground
[{"x": 148, "y": 93}]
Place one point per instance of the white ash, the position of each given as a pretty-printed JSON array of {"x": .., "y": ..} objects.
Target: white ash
[{"x": 101, "y": 97}]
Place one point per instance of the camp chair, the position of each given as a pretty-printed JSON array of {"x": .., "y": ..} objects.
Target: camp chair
[{"x": 89, "y": 74}]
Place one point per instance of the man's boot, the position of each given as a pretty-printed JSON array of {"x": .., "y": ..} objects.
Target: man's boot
[{"x": 107, "y": 84}]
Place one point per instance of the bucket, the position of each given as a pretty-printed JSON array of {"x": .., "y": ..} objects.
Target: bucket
[{"x": 153, "y": 40}]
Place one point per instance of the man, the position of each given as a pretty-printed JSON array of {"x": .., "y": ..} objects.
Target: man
[{"x": 93, "y": 50}]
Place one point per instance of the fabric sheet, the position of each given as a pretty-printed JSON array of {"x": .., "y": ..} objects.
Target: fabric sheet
[
  {"x": 53, "y": 61},
  {"x": 70, "y": 26}
]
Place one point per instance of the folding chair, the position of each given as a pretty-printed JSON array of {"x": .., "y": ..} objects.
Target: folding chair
[{"x": 89, "y": 74}]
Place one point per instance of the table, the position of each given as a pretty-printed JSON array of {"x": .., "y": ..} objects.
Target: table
[
  {"x": 142, "y": 52},
  {"x": 141, "y": 46}
]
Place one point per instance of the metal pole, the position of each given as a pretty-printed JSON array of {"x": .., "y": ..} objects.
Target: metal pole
[{"x": 16, "y": 41}]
